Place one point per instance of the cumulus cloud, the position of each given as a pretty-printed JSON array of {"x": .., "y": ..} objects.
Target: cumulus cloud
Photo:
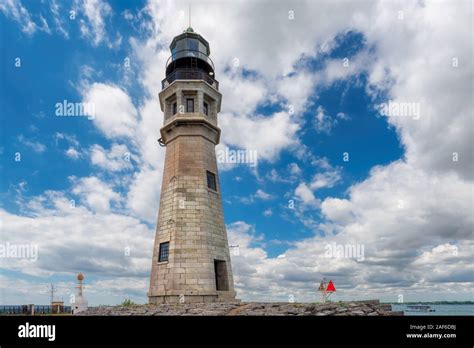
[
  {"x": 304, "y": 193},
  {"x": 266, "y": 135},
  {"x": 72, "y": 238},
  {"x": 138, "y": 126},
  {"x": 144, "y": 195},
  {"x": 114, "y": 113},
  {"x": 94, "y": 193},
  {"x": 413, "y": 215},
  {"x": 73, "y": 153},
  {"x": 118, "y": 158}
]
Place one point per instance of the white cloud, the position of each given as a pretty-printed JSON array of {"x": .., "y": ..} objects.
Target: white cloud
[
  {"x": 260, "y": 194},
  {"x": 73, "y": 153},
  {"x": 144, "y": 195},
  {"x": 241, "y": 95},
  {"x": 336, "y": 209},
  {"x": 415, "y": 214},
  {"x": 95, "y": 193},
  {"x": 295, "y": 169},
  {"x": 268, "y": 213},
  {"x": 404, "y": 244},
  {"x": 72, "y": 238},
  {"x": 411, "y": 215},
  {"x": 115, "y": 115},
  {"x": 324, "y": 123},
  {"x": 71, "y": 139},
  {"x": 267, "y": 135},
  {"x": 34, "y": 145},
  {"x": 325, "y": 179},
  {"x": 304, "y": 193},
  {"x": 92, "y": 27},
  {"x": 118, "y": 158},
  {"x": 445, "y": 96},
  {"x": 19, "y": 13},
  {"x": 58, "y": 15},
  {"x": 148, "y": 132},
  {"x": 72, "y": 144}
]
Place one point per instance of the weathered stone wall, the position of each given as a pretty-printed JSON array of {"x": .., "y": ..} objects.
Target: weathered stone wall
[
  {"x": 190, "y": 216},
  {"x": 354, "y": 308}
]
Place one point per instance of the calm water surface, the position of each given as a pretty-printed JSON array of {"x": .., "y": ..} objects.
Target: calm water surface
[{"x": 440, "y": 309}]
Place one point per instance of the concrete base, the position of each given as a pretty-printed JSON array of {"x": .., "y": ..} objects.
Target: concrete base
[{"x": 79, "y": 305}]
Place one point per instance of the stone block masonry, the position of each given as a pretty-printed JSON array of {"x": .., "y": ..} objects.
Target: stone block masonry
[{"x": 198, "y": 266}]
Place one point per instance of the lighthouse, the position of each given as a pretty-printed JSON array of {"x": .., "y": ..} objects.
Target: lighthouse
[
  {"x": 80, "y": 302},
  {"x": 191, "y": 259}
]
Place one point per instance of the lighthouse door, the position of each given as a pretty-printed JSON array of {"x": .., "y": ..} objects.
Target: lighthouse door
[{"x": 220, "y": 270}]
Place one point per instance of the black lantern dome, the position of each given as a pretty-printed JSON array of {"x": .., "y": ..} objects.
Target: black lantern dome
[{"x": 189, "y": 59}]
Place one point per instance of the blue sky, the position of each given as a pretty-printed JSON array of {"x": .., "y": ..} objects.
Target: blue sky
[{"x": 400, "y": 193}]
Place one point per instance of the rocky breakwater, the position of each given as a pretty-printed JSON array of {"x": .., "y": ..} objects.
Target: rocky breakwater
[{"x": 352, "y": 308}]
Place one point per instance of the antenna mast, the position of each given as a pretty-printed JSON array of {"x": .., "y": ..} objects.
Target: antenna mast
[
  {"x": 189, "y": 15},
  {"x": 53, "y": 290}
]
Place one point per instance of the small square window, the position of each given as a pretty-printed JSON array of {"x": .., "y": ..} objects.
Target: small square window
[
  {"x": 175, "y": 108},
  {"x": 164, "y": 252},
  {"x": 211, "y": 181},
  {"x": 205, "y": 108},
  {"x": 190, "y": 105}
]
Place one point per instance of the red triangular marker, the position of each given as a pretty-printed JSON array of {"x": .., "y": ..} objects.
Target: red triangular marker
[{"x": 331, "y": 286}]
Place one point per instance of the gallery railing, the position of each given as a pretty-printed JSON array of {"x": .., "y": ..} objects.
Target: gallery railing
[{"x": 189, "y": 74}]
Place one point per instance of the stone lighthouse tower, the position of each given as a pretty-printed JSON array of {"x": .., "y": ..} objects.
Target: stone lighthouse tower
[{"x": 191, "y": 261}]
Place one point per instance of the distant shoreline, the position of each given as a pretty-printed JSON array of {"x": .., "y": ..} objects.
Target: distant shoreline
[{"x": 434, "y": 302}]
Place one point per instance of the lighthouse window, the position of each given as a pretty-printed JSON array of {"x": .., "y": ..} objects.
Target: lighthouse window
[
  {"x": 211, "y": 181},
  {"x": 190, "y": 105},
  {"x": 164, "y": 252},
  {"x": 205, "y": 108},
  {"x": 193, "y": 44}
]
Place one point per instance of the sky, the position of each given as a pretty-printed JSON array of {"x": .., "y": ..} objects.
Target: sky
[{"x": 360, "y": 113}]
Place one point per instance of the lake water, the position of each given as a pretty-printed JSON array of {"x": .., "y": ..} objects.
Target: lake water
[{"x": 440, "y": 309}]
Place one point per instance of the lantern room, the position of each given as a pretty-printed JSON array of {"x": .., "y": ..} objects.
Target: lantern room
[{"x": 189, "y": 59}]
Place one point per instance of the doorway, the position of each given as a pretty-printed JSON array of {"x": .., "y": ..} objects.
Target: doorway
[{"x": 220, "y": 270}]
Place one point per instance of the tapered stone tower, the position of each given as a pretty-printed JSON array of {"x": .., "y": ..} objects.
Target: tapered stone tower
[{"x": 191, "y": 261}]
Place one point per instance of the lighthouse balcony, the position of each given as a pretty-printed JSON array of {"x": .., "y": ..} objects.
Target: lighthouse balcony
[{"x": 189, "y": 74}]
